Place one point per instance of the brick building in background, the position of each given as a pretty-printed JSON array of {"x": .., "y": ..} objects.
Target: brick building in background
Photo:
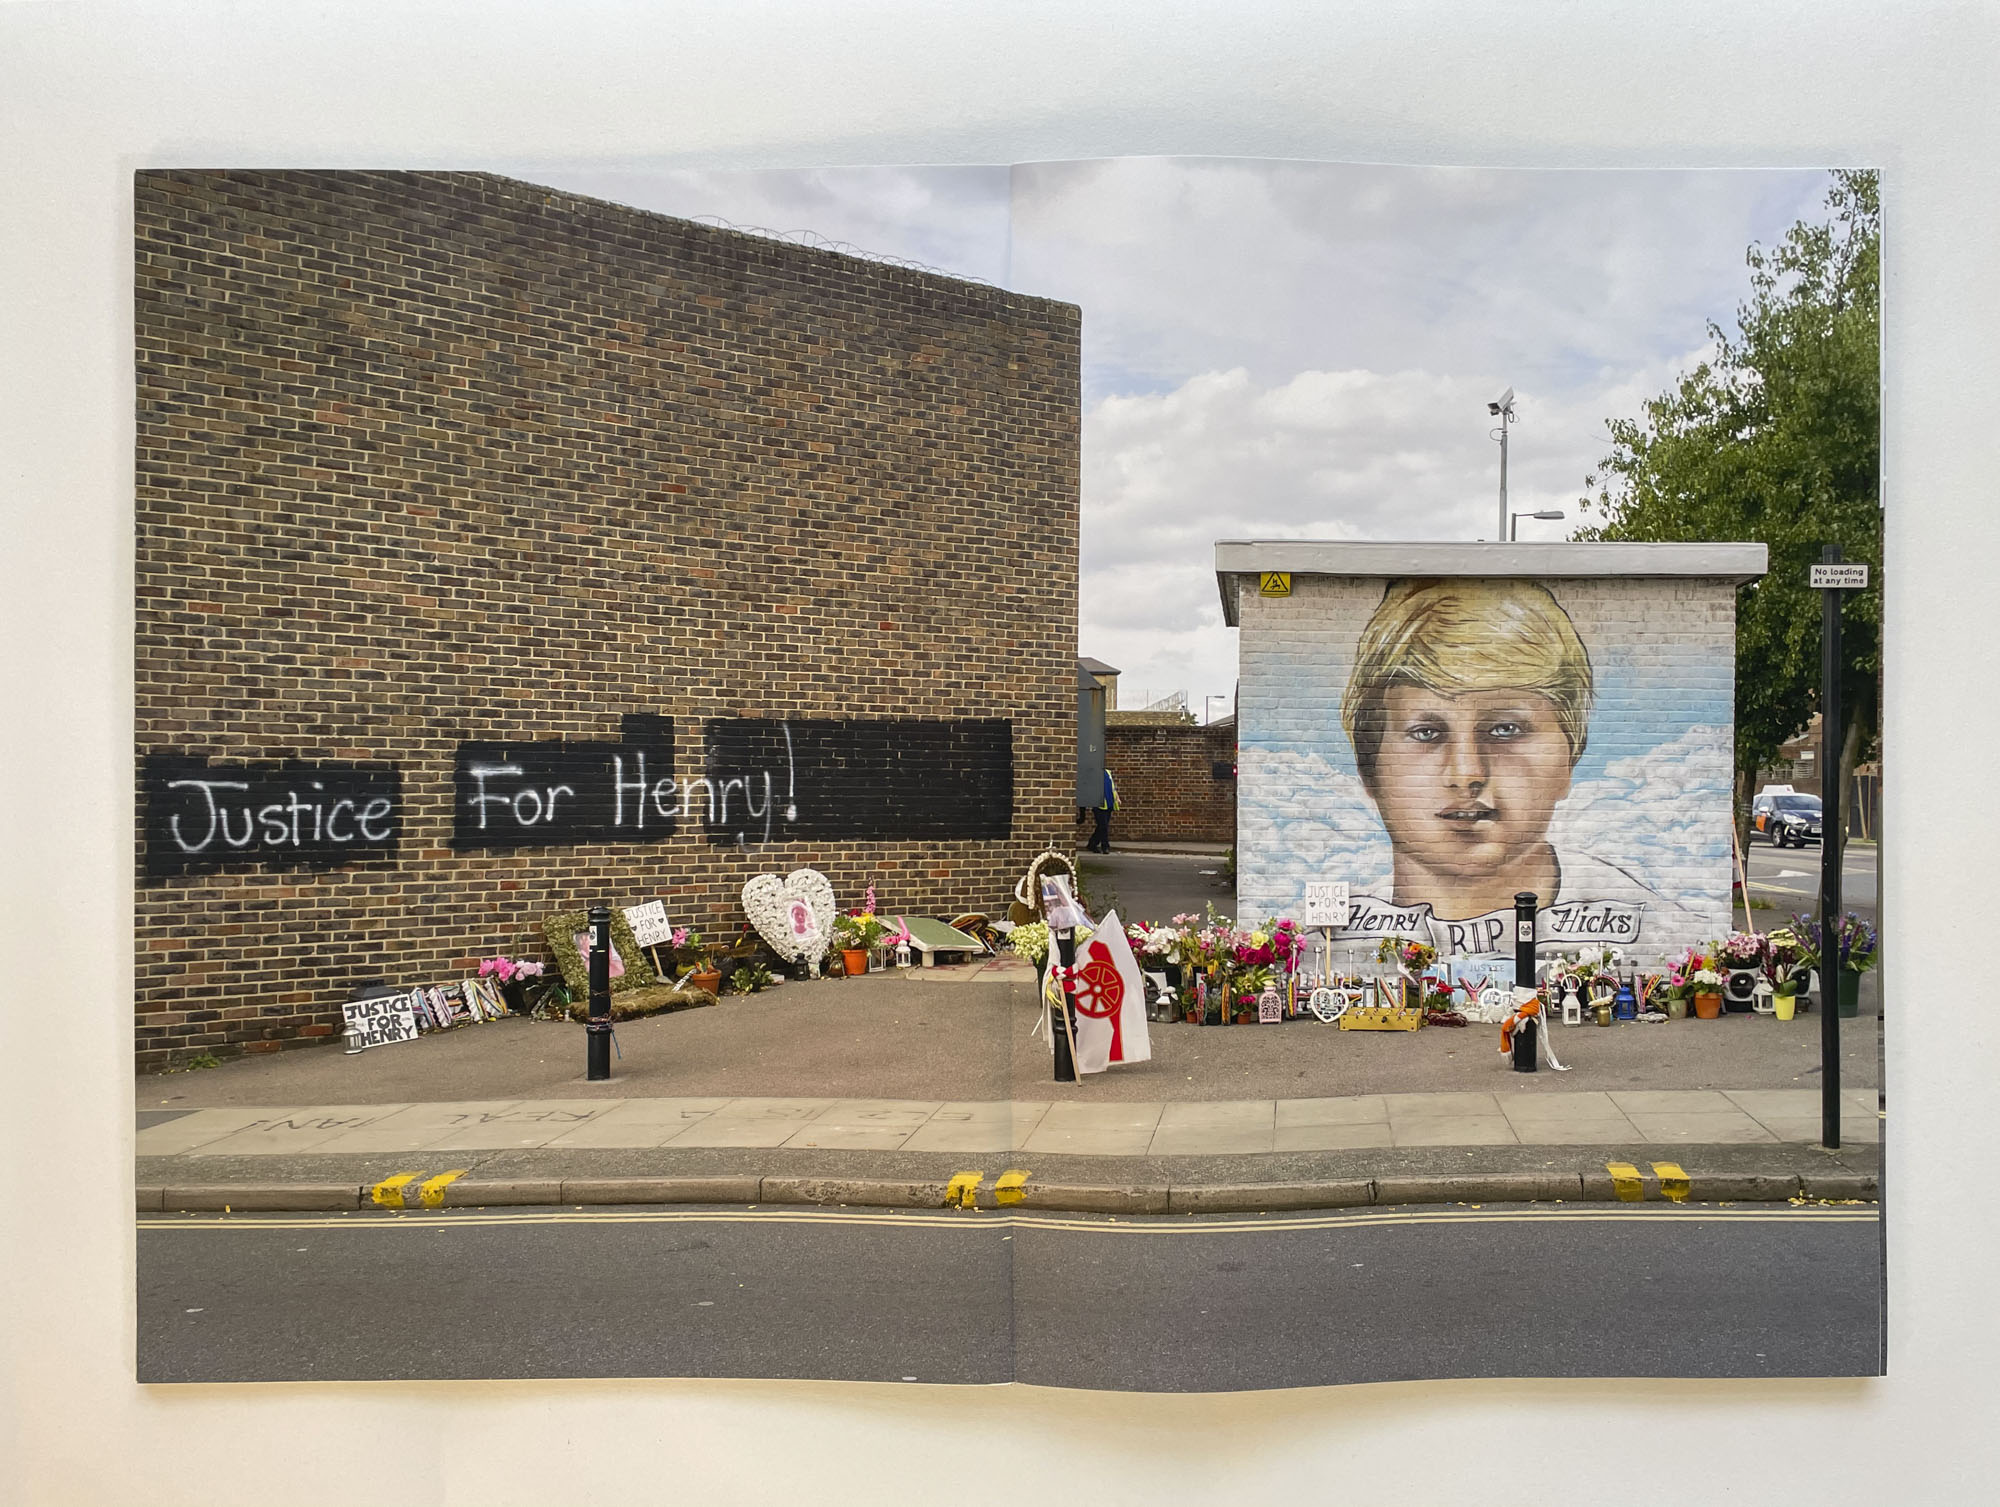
[
  {"x": 1176, "y": 780},
  {"x": 501, "y": 551}
]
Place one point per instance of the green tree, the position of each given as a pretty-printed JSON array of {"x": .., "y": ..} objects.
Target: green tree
[{"x": 1776, "y": 438}]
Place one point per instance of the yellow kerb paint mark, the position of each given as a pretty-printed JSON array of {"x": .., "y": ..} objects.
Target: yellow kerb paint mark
[
  {"x": 432, "y": 1192},
  {"x": 959, "y": 1192},
  {"x": 389, "y": 1191},
  {"x": 1673, "y": 1181},
  {"x": 1011, "y": 1186},
  {"x": 1625, "y": 1180}
]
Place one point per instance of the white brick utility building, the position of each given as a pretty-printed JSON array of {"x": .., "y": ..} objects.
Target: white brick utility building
[{"x": 1443, "y": 726}]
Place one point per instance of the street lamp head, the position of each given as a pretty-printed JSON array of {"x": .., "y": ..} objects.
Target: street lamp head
[{"x": 1549, "y": 513}]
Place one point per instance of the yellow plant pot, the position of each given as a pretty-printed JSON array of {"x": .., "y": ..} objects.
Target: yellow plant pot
[{"x": 1786, "y": 1004}]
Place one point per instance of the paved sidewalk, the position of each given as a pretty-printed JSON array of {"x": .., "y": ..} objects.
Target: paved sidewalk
[{"x": 1649, "y": 1118}]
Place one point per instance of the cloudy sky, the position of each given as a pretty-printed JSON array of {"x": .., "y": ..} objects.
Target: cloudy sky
[{"x": 1299, "y": 350}]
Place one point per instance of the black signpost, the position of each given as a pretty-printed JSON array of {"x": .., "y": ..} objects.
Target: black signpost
[
  {"x": 597, "y": 1030},
  {"x": 1830, "y": 577}
]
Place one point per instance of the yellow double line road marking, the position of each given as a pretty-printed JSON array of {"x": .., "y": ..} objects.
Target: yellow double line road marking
[
  {"x": 389, "y": 1193},
  {"x": 925, "y": 1219},
  {"x": 1631, "y": 1188}
]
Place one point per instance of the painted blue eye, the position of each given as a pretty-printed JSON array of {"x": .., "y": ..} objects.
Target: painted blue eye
[
  {"x": 1425, "y": 732},
  {"x": 1506, "y": 730}
]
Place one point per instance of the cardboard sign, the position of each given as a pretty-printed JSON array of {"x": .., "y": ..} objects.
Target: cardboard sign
[
  {"x": 1326, "y": 903},
  {"x": 384, "y": 1019},
  {"x": 649, "y": 923}
]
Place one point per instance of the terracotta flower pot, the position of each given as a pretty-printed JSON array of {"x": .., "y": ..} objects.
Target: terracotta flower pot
[
  {"x": 855, "y": 959},
  {"x": 708, "y": 980},
  {"x": 1708, "y": 1006}
]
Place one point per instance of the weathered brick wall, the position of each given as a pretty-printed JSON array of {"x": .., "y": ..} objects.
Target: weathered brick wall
[
  {"x": 1645, "y": 820},
  {"x": 432, "y": 458},
  {"x": 1167, "y": 785}
]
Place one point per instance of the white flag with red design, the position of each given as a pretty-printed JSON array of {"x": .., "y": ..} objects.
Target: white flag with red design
[{"x": 1109, "y": 999}]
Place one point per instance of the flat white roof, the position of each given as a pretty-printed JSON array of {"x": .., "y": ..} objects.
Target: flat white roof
[{"x": 1237, "y": 558}]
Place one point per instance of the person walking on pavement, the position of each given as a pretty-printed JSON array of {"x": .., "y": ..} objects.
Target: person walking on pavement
[{"x": 1100, "y": 834}]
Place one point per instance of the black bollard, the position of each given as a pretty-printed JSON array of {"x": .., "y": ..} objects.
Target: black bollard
[
  {"x": 597, "y": 1030},
  {"x": 1524, "y": 1044},
  {"x": 1524, "y": 940},
  {"x": 1059, "y": 1014},
  {"x": 1524, "y": 978}
]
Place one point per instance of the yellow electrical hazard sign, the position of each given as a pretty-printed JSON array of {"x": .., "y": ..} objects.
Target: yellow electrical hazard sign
[{"x": 1274, "y": 583}]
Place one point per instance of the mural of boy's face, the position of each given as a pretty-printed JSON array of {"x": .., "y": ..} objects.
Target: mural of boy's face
[{"x": 1466, "y": 784}]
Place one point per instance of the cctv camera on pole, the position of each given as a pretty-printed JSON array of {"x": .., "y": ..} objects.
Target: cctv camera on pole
[{"x": 1502, "y": 408}]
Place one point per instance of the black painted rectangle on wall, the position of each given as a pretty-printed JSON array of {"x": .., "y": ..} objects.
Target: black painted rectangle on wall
[
  {"x": 290, "y": 814},
  {"x": 869, "y": 778},
  {"x": 561, "y": 791}
]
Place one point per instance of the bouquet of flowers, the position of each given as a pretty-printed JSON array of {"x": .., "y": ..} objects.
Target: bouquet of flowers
[
  {"x": 1742, "y": 949},
  {"x": 1787, "y": 961},
  {"x": 1691, "y": 973},
  {"x": 1030, "y": 941},
  {"x": 506, "y": 970},
  {"x": 1275, "y": 944},
  {"x": 1855, "y": 942},
  {"x": 1155, "y": 943},
  {"x": 1410, "y": 956},
  {"x": 859, "y": 930}
]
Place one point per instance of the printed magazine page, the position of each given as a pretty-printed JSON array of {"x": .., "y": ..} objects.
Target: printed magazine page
[{"x": 1147, "y": 775}]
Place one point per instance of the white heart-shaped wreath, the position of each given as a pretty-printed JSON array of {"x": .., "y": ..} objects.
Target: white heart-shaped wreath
[{"x": 794, "y": 914}]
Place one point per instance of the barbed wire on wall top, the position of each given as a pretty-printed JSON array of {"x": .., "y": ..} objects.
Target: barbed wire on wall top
[{"x": 818, "y": 242}]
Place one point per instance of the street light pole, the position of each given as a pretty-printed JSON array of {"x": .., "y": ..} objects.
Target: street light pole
[
  {"x": 1513, "y": 519},
  {"x": 1502, "y": 408}
]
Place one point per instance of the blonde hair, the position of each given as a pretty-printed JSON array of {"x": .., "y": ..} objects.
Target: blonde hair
[{"x": 1453, "y": 636}]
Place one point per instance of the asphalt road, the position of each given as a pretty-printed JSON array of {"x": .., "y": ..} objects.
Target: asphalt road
[
  {"x": 1166, "y": 1305},
  {"x": 1789, "y": 877}
]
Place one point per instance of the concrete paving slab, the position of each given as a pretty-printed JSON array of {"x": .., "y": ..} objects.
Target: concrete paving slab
[
  {"x": 1452, "y": 1130},
  {"x": 1432, "y": 1106},
  {"x": 977, "y": 1128},
  {"x": 864, "y": 1125},
  {"x": 535, "y": 1123},
  {"x": 1806, "y": 1129},
  {"x": 286, "y": 1131},
  {"x": 1617, "y": 1131},
  {"x": 1095, "y": 1130},
  {"x": 1671, "y": 1101},
  {"x": 752, "y": 1123},
  {"x": 1216, "y": 1129},
  {"x": 1731, "y": 1129},
  {"x": 1796, "y": 1102},
  {"x": 181, "y": 1135},
  {"x": 1527, "y": 1108},
  {"x": 1332, "y": 1136},
  {"x": 639, "y": 1123},
  {"x": 412, "y": 1127},
  {"x": 1363, "y": 1109}
]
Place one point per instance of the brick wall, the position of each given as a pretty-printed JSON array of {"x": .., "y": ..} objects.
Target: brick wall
[
  {"x": 432, "y": 458},
  {"x": 1645, "y": 820},
  {"x": 1167, "y": 787}
]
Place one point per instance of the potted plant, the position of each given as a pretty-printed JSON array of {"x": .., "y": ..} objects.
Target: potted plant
[
  {"x": 1705, "y": 984},
  {"x": 1740, "y": 958},
  {"x": 855, "y": 934},
  {"x": 1788, "y": 964}
]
